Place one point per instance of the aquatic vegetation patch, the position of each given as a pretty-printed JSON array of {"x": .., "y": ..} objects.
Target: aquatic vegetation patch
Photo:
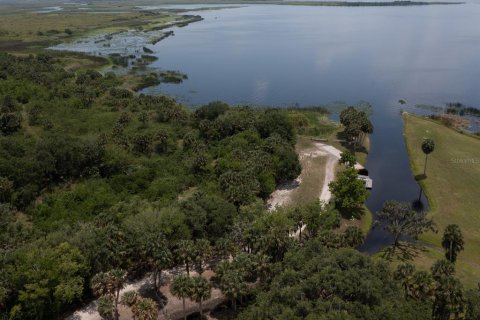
[
  {"x": 147, "y": 50},
  {"x": 119, "y": 60},
  {"x": 167, "y": 34},
  {"x": 171, "y": 76},
  {"x": 149, "y": 58},
  {"x": 454, "y": 114},
  {"x": 147, "y": 80}
]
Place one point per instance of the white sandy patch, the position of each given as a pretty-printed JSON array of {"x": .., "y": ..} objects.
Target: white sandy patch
[
  {"x": 334, "y": 152},
  {"x": 87, "y": 313},
  {"x": 283, "y": 194},
  {"x": 326, "y": 195}
]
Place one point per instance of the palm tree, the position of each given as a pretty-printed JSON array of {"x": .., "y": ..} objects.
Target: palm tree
[
  {"x": 449, "y": 299},
  {"x": 249, "y": 238},
  {"x": 441, "y": 269},
  {"x": 452, "y": 242},
  {"x": 118, "y": 279},
  {"x": 353, "y": 236},
  {"x": 404, "y": 274},
  {"x": 181, "y": 288},
  {"x": 225, "y": 247},
  {"x": 105, "y": 307},
  {"x": 203, "y": 251},
  {"x": 262, "y": 266},
  {"x": 428, "y": 145},
  {"x": 129, "y": 299},
  {"x": 423, "y": 286},
  {"x": 161, "y": 259},
  {"x": 275, "y": 235},
  {"x": 109, "y": 284},
  {"x": 145, "y": 309},
  {"x": 201, "y": 290},
  {"x": 245, "y": 265},
  {"x": 233, "y": 286},
  {"x": 100, "y": 284},
  {"x": 186, "y": 253},
  {"x": 222, "y": 268}
]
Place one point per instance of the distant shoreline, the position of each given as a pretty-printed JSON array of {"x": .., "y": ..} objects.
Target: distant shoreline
[
  {"x": 367, "y": 4},
  {"x": 323, "y": 3}
]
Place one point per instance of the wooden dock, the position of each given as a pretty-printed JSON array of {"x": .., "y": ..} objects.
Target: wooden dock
[{"x": 367, "y": 180}]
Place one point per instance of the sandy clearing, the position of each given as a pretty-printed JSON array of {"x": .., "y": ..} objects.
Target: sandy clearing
[
  {"x": 283, "y": 195},
  {"x": 334, "y": 152},
  {"x": 326, "y": 195}
]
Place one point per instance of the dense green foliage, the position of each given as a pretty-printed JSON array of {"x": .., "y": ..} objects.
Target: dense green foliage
[
  {"x": 90, "y": 174},
  {"x": 348, "y": 159},
  {"x": 452, "y": 242},
  {"x": 349, "y": 192},
  {"x": 357, "y": 126},
  {"x": 319, "y": 281}
]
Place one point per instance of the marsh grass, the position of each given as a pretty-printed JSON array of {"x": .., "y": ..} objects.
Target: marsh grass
[{"x": 23, "y": 29}]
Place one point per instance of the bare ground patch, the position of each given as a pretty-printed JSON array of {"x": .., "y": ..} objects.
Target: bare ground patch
[{"x": 319, "y": 166}]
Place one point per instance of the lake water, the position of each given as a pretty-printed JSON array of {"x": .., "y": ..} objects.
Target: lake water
[
  {"x": 284, "y": 55},
  {"x": 279, "y": 55}
]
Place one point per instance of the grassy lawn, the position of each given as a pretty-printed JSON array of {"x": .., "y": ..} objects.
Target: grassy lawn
[
  {"x": 313, "y": 173},
  {"x": 366, "y": 222},
  {"x": 452, "y": 187}
]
